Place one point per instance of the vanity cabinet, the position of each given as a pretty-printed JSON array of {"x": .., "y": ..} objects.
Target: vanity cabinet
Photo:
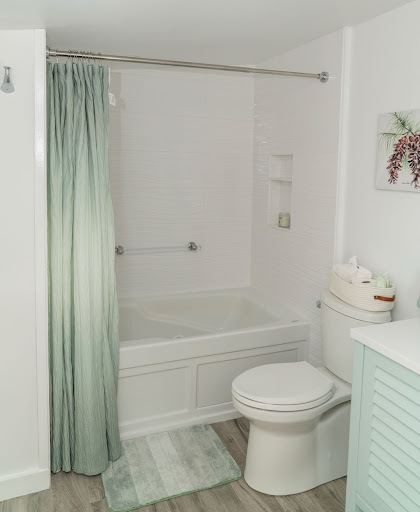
[{"x": 384, "y": 452}]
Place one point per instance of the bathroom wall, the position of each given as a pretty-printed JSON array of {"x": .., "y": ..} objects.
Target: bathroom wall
[
  {"x": 181, "y": 167},
  {"x": 298, "y": 117},
  {"x": 382, "y": 227},
  {"x": 24, "y": 423}
]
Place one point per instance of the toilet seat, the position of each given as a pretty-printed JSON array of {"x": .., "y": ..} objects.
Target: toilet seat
[{"x": 283, "y": 387}]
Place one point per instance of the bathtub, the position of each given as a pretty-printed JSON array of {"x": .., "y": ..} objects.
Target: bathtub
[{"x": 179, "y": 355}]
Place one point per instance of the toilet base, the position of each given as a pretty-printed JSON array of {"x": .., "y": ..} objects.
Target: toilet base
[{"x": 296, "y": 456}]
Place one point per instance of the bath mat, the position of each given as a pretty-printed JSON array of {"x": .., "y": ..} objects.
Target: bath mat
[{"x": 161, "y": 466}]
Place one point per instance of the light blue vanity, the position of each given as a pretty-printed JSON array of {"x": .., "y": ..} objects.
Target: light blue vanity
[{"x": 384, "y": 453}]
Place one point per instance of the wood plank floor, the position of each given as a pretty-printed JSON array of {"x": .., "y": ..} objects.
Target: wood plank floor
[{"x": 77, "y": 493}]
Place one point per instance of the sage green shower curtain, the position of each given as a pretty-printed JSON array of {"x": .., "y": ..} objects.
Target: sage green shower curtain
[{"x": 83, "y": 309}]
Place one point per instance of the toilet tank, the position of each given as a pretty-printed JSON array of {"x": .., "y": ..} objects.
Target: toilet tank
[{"x": 337, "y": 318}]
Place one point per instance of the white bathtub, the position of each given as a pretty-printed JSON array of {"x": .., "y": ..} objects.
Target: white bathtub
[{"x": 179, "y": 355}]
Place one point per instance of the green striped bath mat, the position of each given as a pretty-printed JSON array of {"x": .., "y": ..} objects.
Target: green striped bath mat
[{"x": 161, "y": 466}]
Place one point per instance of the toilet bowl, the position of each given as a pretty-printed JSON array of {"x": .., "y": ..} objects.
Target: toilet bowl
[
  {"x": 300, "y": 415},
  {"x": 288, "y": 438}
]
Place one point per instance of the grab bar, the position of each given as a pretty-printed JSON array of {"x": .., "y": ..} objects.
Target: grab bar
[{"x": 192, "y": 246}]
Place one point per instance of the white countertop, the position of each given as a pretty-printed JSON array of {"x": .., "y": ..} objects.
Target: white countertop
[{"x": 398, "y": 341}]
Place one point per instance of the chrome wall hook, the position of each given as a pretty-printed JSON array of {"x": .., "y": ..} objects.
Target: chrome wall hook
[{"x": 7, "y": 85}]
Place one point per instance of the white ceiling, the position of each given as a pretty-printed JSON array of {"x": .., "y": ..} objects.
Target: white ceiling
[{"x": 221, "y": 31}]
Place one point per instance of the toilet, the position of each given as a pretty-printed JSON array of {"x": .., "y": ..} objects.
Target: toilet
[{"x": 300, "y": 415}]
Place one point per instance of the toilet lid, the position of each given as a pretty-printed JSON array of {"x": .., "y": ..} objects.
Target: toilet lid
[{"x": 284, "y": 386}]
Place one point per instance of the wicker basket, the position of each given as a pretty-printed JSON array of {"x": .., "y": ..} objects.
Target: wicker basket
[{"x": 370, "y": 298}]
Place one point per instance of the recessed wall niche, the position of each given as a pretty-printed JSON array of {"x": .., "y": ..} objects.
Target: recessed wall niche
[{"x": 280, "y": 189}]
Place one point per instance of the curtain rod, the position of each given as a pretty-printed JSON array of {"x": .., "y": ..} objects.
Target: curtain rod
[{"x": 322, "y": 77}]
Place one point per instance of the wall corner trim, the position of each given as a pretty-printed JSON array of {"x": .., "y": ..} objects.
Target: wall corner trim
[
  {"x": 343, "y": 143},
  {"x": 40, "y": 246}
]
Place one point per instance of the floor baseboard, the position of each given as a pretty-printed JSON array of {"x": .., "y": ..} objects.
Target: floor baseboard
[{"x": 27, "y": 482}]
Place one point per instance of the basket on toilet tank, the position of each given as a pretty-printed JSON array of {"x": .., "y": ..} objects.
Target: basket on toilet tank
[{"x": 370, "y": 298}]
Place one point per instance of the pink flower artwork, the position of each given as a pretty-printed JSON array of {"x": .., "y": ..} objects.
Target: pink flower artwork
[{"x": 399, "y": 151}]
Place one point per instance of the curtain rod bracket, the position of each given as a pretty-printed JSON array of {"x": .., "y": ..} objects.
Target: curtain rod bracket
[{"x": 324, "y": 77}]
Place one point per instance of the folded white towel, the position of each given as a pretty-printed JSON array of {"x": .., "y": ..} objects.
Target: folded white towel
[{"x": 351, "y": 270}]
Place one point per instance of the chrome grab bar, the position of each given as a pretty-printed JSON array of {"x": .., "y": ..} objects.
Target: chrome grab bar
[{"x": 192, "y": 246}]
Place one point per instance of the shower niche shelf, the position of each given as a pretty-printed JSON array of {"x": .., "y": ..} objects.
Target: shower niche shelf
[{"x": 280, "y": 189}]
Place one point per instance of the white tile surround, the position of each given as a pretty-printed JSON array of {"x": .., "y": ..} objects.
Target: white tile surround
[
  {"x": 190, "y": 160},
  {"x": 181, "y": 148},
  {"x": 298, "y": 117}
]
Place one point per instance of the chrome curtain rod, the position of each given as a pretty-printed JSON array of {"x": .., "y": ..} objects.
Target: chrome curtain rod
[{"x": 322, "y": 77}]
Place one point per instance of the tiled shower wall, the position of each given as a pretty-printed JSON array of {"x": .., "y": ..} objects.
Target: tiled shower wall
[
  {"x": 181, "y": 147},
  {"x": 190, "y": 161},
  {"x": 299, "y": 117}
]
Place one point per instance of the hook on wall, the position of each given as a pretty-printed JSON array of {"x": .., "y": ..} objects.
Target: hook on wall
[{"x": 7, "y": 85}]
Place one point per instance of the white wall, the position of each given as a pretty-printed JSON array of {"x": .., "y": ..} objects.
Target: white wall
[
  {"x": 299, "y": 117},
  {"x": 181, "y": 169},
  {"x": 382, "y": 227},
  {"x": 24, "y": 431}
]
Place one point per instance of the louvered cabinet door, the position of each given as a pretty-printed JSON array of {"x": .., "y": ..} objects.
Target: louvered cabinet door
[{"x": 388, "y": 465}]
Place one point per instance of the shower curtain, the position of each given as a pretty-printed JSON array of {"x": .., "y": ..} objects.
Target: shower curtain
[{"x": 83, "y": 308}]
